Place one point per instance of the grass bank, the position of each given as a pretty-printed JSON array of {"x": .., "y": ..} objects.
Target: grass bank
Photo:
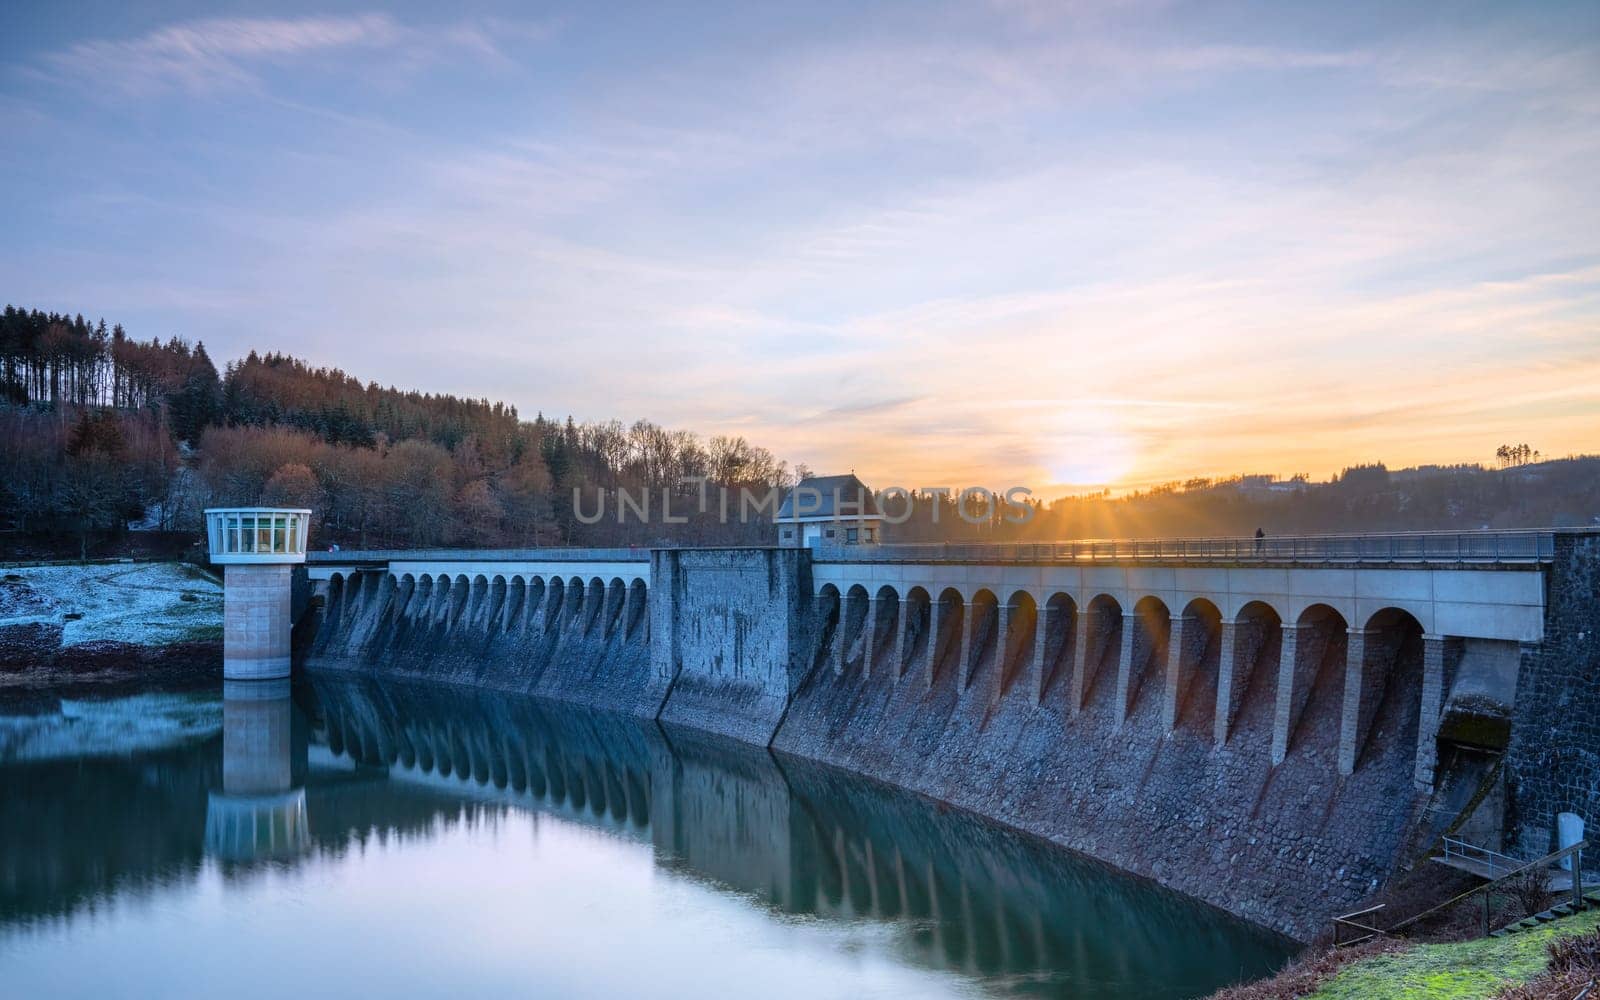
[{"x": 1481, "y": 969}]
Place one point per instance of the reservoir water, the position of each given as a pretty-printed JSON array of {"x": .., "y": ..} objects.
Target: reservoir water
[{"x": 342, "y": 838}]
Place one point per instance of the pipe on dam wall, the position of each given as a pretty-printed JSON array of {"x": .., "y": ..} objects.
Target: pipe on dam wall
[{"x": 1103, "y": 738}]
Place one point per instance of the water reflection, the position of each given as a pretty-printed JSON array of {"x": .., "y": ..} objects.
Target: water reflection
[
  {"x": 344, "y": 762},
  {"x": 260, "y": 812}
]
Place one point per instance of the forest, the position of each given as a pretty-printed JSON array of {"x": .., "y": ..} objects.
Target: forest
[
  {"x": 99, "y": 431},
  {"x": 102, "y": 435}
]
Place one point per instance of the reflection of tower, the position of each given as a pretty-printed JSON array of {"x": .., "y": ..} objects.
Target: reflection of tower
[
  {"x": 261, "y": 811},
  {"x": 259, "y": 548}
]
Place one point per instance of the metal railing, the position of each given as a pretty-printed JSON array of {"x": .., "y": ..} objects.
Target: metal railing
[
  {"x": 480, "y": 555},
  {"x": 1493, "y": 861},
  {"x": 1400, "y": 547},
  {"x": 1366, "y": 931}
]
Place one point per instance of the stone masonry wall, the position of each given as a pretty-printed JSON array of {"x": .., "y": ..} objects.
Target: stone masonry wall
[
  {"x": 1553, "y": 764},
  {"x": 732, "y": 636}
]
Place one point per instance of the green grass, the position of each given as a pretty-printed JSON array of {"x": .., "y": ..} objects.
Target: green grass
[{"x": 1466, "y": 970}]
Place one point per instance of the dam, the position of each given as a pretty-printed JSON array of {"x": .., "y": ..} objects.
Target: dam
[{"x": 1273, "y": 726}]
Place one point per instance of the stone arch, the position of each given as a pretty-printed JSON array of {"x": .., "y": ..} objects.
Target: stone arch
[
  {"x": 1194, "y": 650},
  {"x": 516, "y": 603},
  {"x": 534, "y": 603},
  {"x": 616, "y": 597},
  {"x": 1143, "y": 645},
  {"x": 554, "y": 603},
  {"x": 594, "y": 604},
  {"x": 637, "y": 606},
  {"x": 1247, "y": 667},
  {"x": 980, "y": 651},
  {"x": 826, "y": 615},
  {"x": 853, "y": 621},
  {"x": 1060, "y": 618},
  {"x": 913, "y": 636},
  {"x": 497, "y": 604},
  {"x": 1310, "y": 680},
  {"x": 405, "y": 591},
  {"x": 333, "y": 604},
  {"x": 456, "y": 606},
  {"x": 576, "y": 598},
  {"x": 947, "y": 636},
  {"x": 1099, "y": 643},
  {"x": 1382, "y": 686},
  {"x": 1019, "y": 621},
  {"x": 421, "y": 598},
  {"x": 883, "y": 618}
]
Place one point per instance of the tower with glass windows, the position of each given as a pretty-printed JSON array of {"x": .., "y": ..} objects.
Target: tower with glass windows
[{"x": 258, "y": 548}]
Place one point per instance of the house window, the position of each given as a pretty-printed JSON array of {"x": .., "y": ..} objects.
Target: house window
[
  {"x": 788, "y": 534},
  {"x": 868, "y": 534},
  {"x": 850, "y": 536},
  {"x": 829, "y": 532}
]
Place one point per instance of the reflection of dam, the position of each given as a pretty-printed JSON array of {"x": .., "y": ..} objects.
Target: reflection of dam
[
  {"x": 800, "y": 838},
  {"x": 350, "y": 761}
]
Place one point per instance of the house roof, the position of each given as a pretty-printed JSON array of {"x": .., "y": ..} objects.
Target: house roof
[{"x": 853, "y": 498}]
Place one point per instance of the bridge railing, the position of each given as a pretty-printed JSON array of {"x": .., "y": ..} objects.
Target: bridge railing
[
  {"x": 1400, "y": 547},
  {"x": 480, "y": 555}
]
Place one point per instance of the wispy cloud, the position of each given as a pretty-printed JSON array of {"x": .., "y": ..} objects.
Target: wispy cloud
[{"x": 206, "y": 55}]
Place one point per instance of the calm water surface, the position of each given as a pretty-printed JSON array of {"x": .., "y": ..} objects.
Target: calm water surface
[{"x": 346, "y": 839}]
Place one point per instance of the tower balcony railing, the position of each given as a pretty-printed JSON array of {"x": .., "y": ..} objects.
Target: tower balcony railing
[
  {"x": 1512, "y": 546},
  {"x": 241, "y": 535}
]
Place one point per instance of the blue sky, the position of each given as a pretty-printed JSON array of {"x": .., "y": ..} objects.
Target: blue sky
[{"x": 1057, "y": 244}]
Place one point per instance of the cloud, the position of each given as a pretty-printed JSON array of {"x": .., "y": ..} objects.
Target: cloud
[{"x": 203, "y": 56}]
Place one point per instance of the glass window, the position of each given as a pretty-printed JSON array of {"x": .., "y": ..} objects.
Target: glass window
[
  {"x": 867, "y": 534},
  {"x": 830, "y": 532},
  {"x": 850, "y": 536},
  {"x": 280, "y": 535},
  {"x": 294, "y": 532},
  {"x": 247, "y": 533}
]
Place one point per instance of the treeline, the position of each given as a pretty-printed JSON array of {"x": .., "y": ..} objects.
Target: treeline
[
  {"x": 1363, "y": 498},
  {"x": 57, "y": 360},
  {"x": 378, "y": 465}
]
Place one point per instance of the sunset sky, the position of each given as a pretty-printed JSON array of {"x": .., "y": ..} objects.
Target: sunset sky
[{"x": 1062, "y": 245}]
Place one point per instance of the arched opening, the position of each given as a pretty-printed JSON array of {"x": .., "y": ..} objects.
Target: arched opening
[
  {"x": 1060, "y": 638},
  {"x": 914, "y": 635},
  {"x": 555, "y": 604},
  {"x": 1152, "y": 627},
  {"x": 576, "y": 602},
  {"x": 492, "y": 621},
  {"x": 421, "y": 598},
  {"x": 333, "y": 608},
  {"x": 477, "y": 601},
  {"x": 1247, "y": 677},
  {"x": 616, "y": 597},
  {"x": 1101, "y": 645},
  {"x": 981, "y": 653},
  {"x": 1311, "y": 682},
  {"x": 853, "y": 649},
  {"x": 638, "y": 604},
  {"x": 594, "y": 604},
  {"x": 883, "y": 619},
  {"x": 456, "y": 604},
  {"x": 825, "y": 619},
  {"x": 945, "y": 638},
  {"x": 1015, "y": 658},
  {"x": 1192, "y": 664},
  {"x": 1383, "y": 689},
  {"x": 516, "y": 604},
  {"x": 533, "y": 606}
]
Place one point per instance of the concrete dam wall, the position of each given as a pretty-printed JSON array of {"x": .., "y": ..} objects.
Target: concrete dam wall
[{"x": 1277, "y": 744}]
